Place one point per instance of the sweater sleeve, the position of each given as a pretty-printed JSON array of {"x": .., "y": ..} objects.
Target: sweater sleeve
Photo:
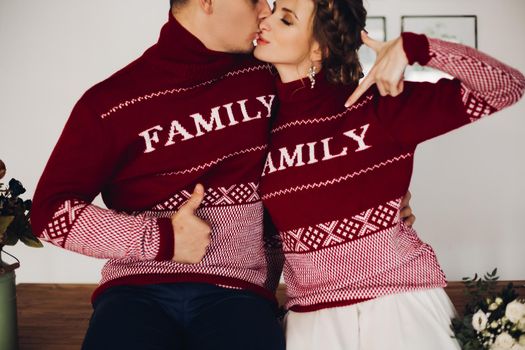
[
  {"x": 481, "y": 86},
  {"x": 77, "y": 171}
]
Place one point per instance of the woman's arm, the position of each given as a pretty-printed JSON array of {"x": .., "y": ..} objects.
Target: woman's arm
[
  {"x": 415, "y": 112},
  {"x": 487, "y": 85}
]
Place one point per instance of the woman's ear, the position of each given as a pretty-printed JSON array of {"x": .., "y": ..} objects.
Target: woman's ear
[{"x": 316, "y": 53}]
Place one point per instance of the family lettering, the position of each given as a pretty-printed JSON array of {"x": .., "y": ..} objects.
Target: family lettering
[
  {"x": 219, "y": 118},
  {"x": 308, "y": 153}
]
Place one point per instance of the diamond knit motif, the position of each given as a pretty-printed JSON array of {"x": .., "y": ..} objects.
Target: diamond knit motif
[{"x": 341, "y": 231}]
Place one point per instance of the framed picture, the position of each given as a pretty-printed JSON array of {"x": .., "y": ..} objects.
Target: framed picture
[
  {"x": 458, "y": 29},
  {"x": 376, "y": 28}
]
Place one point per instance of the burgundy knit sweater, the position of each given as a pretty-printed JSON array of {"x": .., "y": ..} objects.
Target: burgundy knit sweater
[
  {"x": 178, "y": 115},
  {"x": 334, "y": 177}
]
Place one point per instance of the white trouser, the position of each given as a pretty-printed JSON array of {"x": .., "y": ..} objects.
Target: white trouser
[{"x": 408, "y": 321}]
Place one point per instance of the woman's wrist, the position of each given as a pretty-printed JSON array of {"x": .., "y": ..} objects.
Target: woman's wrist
[{"x": 416, "y": 47}]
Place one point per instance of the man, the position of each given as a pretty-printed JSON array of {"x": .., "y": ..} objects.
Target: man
[{"x": 189, "y": 265}]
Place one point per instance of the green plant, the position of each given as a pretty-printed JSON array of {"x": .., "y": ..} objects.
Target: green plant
[
  {"x": 492, "y": 320},
  {"x": 14, "y": 214}
]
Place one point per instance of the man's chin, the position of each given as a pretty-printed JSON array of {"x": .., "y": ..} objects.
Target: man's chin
[{"x": 244, "y": 51}]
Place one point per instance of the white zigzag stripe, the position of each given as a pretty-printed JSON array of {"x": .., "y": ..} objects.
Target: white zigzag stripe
[
  {"x": 322, "y": 119},
  {"x": 178, "y": 90},
  {"x": 213, "y": 162},
  {"x": 335, "y": 180}
]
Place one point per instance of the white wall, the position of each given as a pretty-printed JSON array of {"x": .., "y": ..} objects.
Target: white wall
[{"x": 467, "y": 187}]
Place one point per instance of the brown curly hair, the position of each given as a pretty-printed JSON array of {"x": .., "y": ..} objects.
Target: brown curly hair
[{"x": 337, "y": 26}]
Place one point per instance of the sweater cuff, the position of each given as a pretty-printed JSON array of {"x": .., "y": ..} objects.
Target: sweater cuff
[
  {"x": 166, "y": 246},
  {"x": 417, "y": 48}
]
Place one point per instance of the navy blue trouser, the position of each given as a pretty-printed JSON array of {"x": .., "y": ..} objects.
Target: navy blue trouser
[{"x": 183, "y": 316}]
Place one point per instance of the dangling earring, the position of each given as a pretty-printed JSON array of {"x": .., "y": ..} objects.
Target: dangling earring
[{"x": 311, "y": 76}]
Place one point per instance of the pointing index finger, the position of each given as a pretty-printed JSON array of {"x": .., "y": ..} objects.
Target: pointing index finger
[
  {"x": 360, "y": 90},
  {"x": 371, "y": 43}
]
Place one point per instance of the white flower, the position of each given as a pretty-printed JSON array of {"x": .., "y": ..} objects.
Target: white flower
[
  {"x": 504, "y": 341},
  {"x": 515, "y": 311},
  {"x": 499, "y": 301},
  {"x": 479, "y": 321},
  {"x": 517, "y": 347},
  {"x": 493, "y": 306},
  {"x": 494, "y": 324}
]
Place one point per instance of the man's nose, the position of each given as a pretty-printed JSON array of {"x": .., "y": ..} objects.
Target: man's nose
[{"x": 264, "y": 25}]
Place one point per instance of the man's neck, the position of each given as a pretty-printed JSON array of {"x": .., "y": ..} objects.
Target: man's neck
[{"x": 194, "y": 22}]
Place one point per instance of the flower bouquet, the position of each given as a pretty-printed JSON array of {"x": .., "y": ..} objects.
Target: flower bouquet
[
  {"x": 14, "y": 214},
  {"x": 492, "y": 321}
]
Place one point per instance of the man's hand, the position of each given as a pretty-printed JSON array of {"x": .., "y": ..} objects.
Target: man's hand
[
  {"x": 192, "y": 235},
  {"x": 388, "y": 70},
  {"x": 406, "y": 211}
]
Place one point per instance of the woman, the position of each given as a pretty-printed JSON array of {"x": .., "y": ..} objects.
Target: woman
[{"x": 358, "y": 277}]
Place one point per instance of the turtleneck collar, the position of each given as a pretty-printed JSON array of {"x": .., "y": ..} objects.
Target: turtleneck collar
[
  {"x": 182, "y": 53},
  {"x": 298, "y": 100},
  {"x": 300, "y": 89}
]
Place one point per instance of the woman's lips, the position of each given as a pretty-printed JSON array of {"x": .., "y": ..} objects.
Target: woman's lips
[
  {"x": 259, "y": 40},
  {"x": 262, "y": 41}
]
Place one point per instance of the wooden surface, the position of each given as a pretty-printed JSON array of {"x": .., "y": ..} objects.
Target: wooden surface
[{"x": 55, "y": 316}]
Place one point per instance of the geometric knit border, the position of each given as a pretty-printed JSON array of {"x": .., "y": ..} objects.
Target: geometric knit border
[
  {"x": 390, "y": 261},
  {"x": 237, "y": 250},
  {"x": 485, "y": 88},
  {"x": 341, "y": 231},
  {"x": 213, "y": 196},
  {"x": 63, "y": 219}
]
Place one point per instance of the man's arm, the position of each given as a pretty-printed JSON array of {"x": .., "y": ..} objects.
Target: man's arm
[{"x": 79, "y": 167}]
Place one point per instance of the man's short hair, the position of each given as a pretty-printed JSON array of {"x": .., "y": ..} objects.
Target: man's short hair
[{"x": 177, "y": 2}]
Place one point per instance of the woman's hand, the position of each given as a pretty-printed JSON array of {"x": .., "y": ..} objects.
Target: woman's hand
[
  {"x": 406, "y": 211},
  {"x": 388, "y": 70}
]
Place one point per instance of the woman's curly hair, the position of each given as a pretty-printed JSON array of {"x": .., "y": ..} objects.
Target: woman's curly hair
[{"x": 337, "y": 26}]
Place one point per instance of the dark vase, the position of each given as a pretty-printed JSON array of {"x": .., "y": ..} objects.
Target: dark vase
[{"x": 8, "y": 319}]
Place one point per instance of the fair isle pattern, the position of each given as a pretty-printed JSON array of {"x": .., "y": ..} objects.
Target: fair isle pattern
[
  {"x": 234, "y": 194},
  {"x": 237, "y": 250},
  {"x": 337, "y": 179},
  {"x": 488, "y": 85},
  {"x": 341, "y": 231},
  {"x": 390, "y": 261},
  {"x": 322, "y": 119},
  {"x": 476, "y": 108},
  {"x": 63, "y": 219},
  {"x": 150, "y": 96},
  {"x": 98, "y": 232},
  {"x": 216, "y": 161}
]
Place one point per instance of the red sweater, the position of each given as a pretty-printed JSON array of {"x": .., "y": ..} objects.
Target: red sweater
[
  {"x": 178, "y": 115},
  {"x": 334, "y": 177}
]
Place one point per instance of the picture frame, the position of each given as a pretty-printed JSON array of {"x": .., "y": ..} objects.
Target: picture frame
[{"x": 462, "y": 29}]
